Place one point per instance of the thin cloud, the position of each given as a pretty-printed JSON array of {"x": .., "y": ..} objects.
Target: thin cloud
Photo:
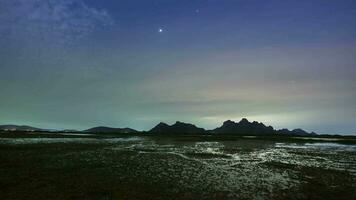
[{"x": 53, "y": 21}]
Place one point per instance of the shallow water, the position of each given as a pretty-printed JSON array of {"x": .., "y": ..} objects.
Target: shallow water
[{"x": 239, "y": 169}]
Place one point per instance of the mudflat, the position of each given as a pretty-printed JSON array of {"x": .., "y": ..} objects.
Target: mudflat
[{"x": 174, "y": 167}]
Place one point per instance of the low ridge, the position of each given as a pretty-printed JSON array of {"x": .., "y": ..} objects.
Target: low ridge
[{"x": 243, "y": 127}]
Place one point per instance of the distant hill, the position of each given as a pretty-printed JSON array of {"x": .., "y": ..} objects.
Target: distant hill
[
  {"x": 295, "y": 132},
  {"x": 18, "y": 128},
  {"x": 244, "y": 127},
  {"x": 103, "y": 129},
  {"x": 178, "y": 127}
]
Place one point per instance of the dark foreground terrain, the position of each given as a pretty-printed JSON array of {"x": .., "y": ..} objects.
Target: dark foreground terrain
[{"x": 174, "y": 167}]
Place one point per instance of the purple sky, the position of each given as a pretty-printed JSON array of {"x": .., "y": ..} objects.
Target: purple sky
[{"x": 77, "y": 64}]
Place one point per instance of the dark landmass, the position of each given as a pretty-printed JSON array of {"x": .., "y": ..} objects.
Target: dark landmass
[
  {"x": 177, "y": 128},
  {"x": 244, "y": 127},
  {"x": 241, "y": 128},
  {"x": 296, "y": 132}
]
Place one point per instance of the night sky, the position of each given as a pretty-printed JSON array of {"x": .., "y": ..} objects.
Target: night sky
[{"x": 75, "y": 64}]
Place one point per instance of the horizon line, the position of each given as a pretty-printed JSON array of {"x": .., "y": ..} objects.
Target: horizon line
[{"x": 142, "y": 130}]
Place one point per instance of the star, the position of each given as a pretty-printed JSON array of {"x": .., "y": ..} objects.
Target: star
[{"x": 160, "y": 30}]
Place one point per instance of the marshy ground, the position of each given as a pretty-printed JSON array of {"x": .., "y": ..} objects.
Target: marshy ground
[{"x": 174, "y": 167}]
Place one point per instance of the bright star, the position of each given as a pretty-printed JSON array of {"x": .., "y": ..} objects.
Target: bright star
[{"x": 160, "y": 30}]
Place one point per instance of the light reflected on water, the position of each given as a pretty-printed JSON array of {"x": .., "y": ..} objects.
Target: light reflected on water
[{"x": 244, "y": 168}]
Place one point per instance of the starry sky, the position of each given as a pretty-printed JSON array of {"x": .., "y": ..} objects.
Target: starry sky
[{"x": 75, "y": 64}]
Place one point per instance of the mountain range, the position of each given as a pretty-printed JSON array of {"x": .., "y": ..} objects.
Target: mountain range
[{"x": 243, "y": 127}]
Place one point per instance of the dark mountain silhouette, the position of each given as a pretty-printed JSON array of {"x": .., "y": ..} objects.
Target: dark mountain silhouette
[
  {"x": 18, "y": 128},
  {"x": 178, "y": 127},
  {"x": 244, "y": 127},
  {"x": 103, "y": 129},
  {"x": 295, "y": 132}
]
